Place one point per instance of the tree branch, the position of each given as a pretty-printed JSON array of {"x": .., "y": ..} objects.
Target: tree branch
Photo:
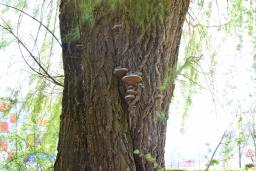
[
  {"x": 35, "y": 20},
  {"x": 215, "y": 150},
  {"x": 33, "y": 57}
]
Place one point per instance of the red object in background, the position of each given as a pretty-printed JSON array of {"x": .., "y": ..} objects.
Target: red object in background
[
  {"x": 12, "y": 118},
  {"x": 4, "y": 106},
  {"x": 250, "y": 153},
  {"x": 187, "y": 163},
  {"x": 3, "y": 145},
  {"x": 4, "y": 127}
]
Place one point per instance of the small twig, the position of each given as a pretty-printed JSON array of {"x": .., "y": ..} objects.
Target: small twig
[
  {"x": 35, "y": 20},
  {"x": 215, "y": 150},
  {"x": 34, "y": 58}
]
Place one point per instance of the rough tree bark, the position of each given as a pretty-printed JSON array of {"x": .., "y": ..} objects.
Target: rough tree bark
[{"x": 98, "y": 131}]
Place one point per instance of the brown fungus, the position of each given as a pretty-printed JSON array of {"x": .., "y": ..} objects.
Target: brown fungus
[
  {"x": 132, "y": 79},
  {"x": 131, "y": 91},
  {"x": 141, "y": 85},
  {"x": 129, "y": 97},
  {"x": 120, "y": 72},
  {"x": 130, "y": 87}
]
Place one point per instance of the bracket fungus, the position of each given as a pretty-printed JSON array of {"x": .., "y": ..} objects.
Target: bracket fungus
[
  {"x": 132, "y": 92},
  {"x": 132, "y": 78},
  {"x": 129, "y": 97},
  {"x": 130, "y": 87},
  {"x": 141, "y": 85},
  {"x": 132, "y": 82},
  {"x": 120, "y": 72}
]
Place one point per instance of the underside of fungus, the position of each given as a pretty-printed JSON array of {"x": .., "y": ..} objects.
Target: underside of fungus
[
  {"x": 131, "y": 91},
  {"x": 129, "y": 97}
]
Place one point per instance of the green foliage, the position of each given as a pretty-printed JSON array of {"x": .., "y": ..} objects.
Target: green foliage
[
  {"x": 87, "y": 8},
  {"x": 145, "y": 14},
  {"x": 72, "y": 35},
  {"x": 227, "y": 148},
  {"x": 214, "y": 162},
  {"x": 236, "y": 12},
  {"x": 254, "y": 56},
  {"x": 250, "y": 21},
  {"x": 148, "y": 157},
  {"x": 20, "y": 4},
  {"x": 3, "y": 44},
  {"x": 173, "y": 72},
  {"x": 136, "y": 152},
  {"x": 161, "y": 116},
  {"x": 234, "y": 20},
  {"x": 5, "y": 40},
  {"x": 142, "y": 13},
  {"x": 34, "y": 136},
  {"x": 250, "y": 165},
  {"x": 242, "y": 137}
]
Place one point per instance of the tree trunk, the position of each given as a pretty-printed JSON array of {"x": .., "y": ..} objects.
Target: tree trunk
[{"x": 99, "y": 130}]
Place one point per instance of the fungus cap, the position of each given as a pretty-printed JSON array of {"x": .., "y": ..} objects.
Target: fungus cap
[
  {"x": 132, "y": 79},
  {"x": 120, "y": 72},
  {"x": 129, "y": 97},
  {"x": 131, "y": 91}
]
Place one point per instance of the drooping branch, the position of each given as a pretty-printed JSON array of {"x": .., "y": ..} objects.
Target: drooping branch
[
  {"x": 216, "y": 149},
  {"x": 46, "y": 74},
  {"x": 55, "y": 37}
]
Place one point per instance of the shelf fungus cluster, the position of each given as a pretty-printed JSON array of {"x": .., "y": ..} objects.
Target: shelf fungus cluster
[{"x": 133, "y": 84}]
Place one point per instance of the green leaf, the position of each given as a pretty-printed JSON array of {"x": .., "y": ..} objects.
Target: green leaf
[
  {"x": 149, "y": 157},
  {"x": 215, "y": 162},
  {"x": 137, "y": 152},
  {"x": 161, "y": 116},
  {"x": 155, "y": 165}
]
